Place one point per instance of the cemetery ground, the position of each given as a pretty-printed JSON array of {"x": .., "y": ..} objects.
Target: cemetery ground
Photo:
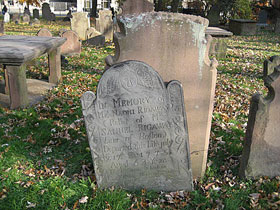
[{"x": 45, "y": 160}]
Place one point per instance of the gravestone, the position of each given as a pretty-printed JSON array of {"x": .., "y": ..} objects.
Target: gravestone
[
  {"x": 96, "y": 41},
  {"x": 80, "y": 23},
  {"x": 214, "y": 16},
  {"x": 176, "y": 46},
  {"x": 26, "y": 11},
  {"x": 92, "y": 32},
  {"x": 44, "y": 32},
  {"x": 46, "y": 12},
  {"x": 262, "y": 18},
  {"x": 243, "y": 26},
  {"x": 261, "y": 153},
  {"x": 137, "y": 7},
  {"x": 137, "y": 130},
  {"x": 26, "y": 18},
  {"x": 16, "y": 17},
  {"x": 105, "y": 23},
  {"x": 2, "y": 27},
  {"x": 277, "y": 26},
  {"x": 36, "y": 13},
  {"x": 72, "y": 46},
  {"x": 6, "y": 17}
]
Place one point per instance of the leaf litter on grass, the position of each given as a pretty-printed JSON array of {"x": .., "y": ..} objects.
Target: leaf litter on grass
[{"x": 44, "y": 148}]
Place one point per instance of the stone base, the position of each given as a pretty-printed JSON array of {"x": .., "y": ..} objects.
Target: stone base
[{"x": 36, "y": 91}]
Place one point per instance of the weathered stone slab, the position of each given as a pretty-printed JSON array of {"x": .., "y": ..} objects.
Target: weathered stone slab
[
  {"x": 72, "y": 46},
  {"x": 96, "y": 41},
  {"x": 80, "y": 23},
  {"x": 243, "y": 27},
  {"x": 175, "y": 45},
  {"x": 6, "y": 17},
  {"x": 137, "y": 130},
  {"x": 92, "y": 32},
  {"x": 36, "y": 13},
  {"x": 105, "y": 23},
  {"x": 130, "y": 7},
  {"x": 261, "y": 153},
  {"x": 44, "y": 32}
]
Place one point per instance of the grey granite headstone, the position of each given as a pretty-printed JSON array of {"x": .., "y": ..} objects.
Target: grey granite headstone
[
  {"x": 261, "y": 154},
  {"x": 46, "y": 12},
  {"x": 137, "y": 130},
  {"x": 36, "y": 13},
  {"x": 262, "y": 19}
]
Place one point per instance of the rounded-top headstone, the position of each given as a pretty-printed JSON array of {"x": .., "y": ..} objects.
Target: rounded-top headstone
[
  {"x": 137, "y": 130},
  {"x": 72, "y": 44},
  {"x": 44, "y": 32}
]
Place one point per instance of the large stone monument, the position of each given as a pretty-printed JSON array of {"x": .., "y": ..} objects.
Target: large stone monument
[
  {"x": 105, "y": 23},
  {"x": 137, "y": 7},
  {"x": 80, "y": 23},
  {"x": 261, "y": 153},
  {"x": 72, "y": 46},
  {"x": 176, "y": 46},
  {"x": 137, "y": 130}
]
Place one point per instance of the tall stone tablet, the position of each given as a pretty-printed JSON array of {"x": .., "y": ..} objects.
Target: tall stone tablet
[
  {"x": 80, "y": 23},
  {"x": 176, "y": 46},
  {"x": 137, "y": 130},
  {"x": 261, "y": 153},
  {"x": 105, "y": 23}
]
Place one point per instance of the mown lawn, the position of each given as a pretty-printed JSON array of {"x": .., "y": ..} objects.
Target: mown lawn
[{"x": 45, "y": 160}]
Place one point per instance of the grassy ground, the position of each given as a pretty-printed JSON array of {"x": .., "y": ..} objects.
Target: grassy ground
[{"x": 45, "y": 160}]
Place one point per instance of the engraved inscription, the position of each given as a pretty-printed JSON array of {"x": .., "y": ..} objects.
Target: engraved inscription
[{"x": 137, "y": 130}]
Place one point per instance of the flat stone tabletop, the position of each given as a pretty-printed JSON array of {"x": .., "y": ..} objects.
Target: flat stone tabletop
[
  {"x": 15, "y": 50},
  {"x": 215, "y": 32}
]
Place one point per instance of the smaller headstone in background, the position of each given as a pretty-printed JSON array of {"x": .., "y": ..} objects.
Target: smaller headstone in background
[
  {"x": 137, "y": 130},
  {"x": 36, "y": 13},
  {"x": 6, "y": 17},
  {"x": 72, "y": 46},
  {"x": 277, "y": 26},
  {"x": 105, "y": 22},
  {"x": 130, "y": 7},
  {"x": 214, "y": 16},
  {"x": 26, "y": 11},
  {"x": 16, "y": 17},
  {"x": 92, "y": 32},
  {"x": 2, "y": 27},
  {"x": 96, "y": 41},
  {"x": 46, "y": 12},
  {"x": 262, "y": 18},
  {"x": 25, "y": 18},
  {"x": 68, "y": 16},
  {"x": 44, "y": 32},
  {"x": 80, "y": 23},
  {"x": 261, "y": 153}
]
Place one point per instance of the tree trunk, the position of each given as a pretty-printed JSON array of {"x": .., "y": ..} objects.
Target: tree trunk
[
  {"x": 93, "y": 12},
  {"x": 175, "y": 4}
]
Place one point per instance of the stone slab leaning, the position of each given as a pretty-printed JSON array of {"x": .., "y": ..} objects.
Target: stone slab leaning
[
  {"x": 176, "y": 46},
  {"x": 261, "y": 153},
  {"x": 137, "y": 130}
]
